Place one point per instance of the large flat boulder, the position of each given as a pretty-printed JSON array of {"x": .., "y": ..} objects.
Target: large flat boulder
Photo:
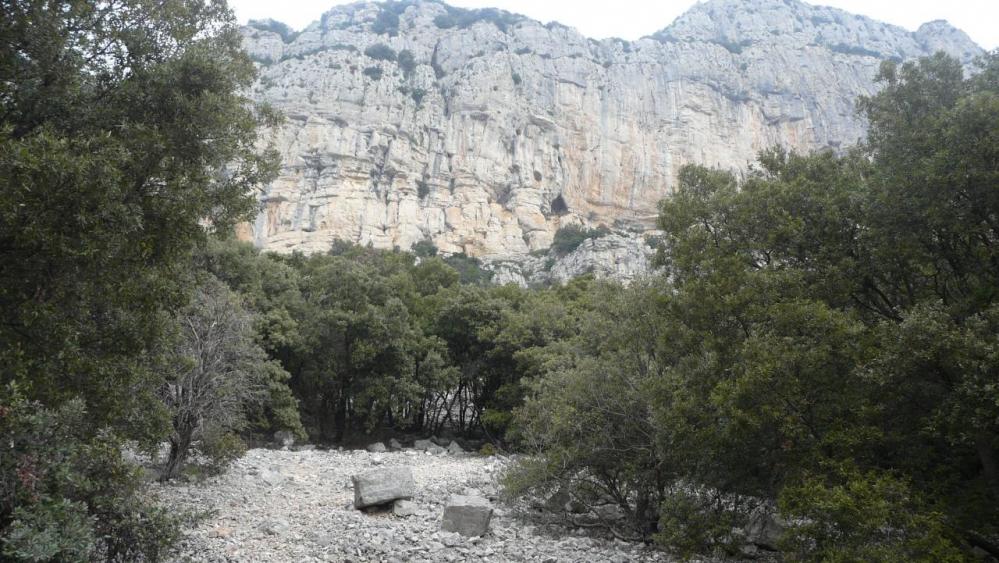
[
  {"x": 467, "y": 515},
  {"x": 383, "y": 486}
]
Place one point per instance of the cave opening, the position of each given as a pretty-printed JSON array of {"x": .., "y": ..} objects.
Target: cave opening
[{"x": 559, "y": 206}]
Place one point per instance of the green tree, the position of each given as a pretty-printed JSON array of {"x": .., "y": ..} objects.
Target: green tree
[
  {"x": 826, "y": 340},
  {"x": 220, "y": 372},
  {"x": 123, "y": 138},
  {"x": 270, "y": 289}
]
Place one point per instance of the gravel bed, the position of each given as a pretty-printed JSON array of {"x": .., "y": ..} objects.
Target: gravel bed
[{"x": 280, "y": 505}]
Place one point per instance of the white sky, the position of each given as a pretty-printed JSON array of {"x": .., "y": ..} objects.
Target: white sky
[{"x": 631, "y": 19}]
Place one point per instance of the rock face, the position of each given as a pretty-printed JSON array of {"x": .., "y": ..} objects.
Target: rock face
[
  {"x": 383, "y": 485},
  {"x": 485, "y": 132},
  {"x": 620, "y": 256}
]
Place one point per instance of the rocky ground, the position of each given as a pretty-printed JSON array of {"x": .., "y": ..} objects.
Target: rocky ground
[{"x": 280, "y": 505}]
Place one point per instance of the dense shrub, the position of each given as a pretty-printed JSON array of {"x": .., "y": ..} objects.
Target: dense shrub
[
  {"x": 407, "y": 62},
  {"x": 69, "y": 496},
  {"x": 287, "y": 34},
  {"x": 220, "y": 373},
  {"x": 464, "y": 18},
  {"x": 444, "y": 21},
  {"x": 373, "y": 72},
  {"x": 569, "y": 238},
  {"x": 381, "y": 52},
  {"x": 469, "y": 268},
  {"x": 387, "y": 21}
]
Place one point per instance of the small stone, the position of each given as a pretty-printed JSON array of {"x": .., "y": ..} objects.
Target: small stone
[
  {"x": 275, "y": 527},
  {"x": 404, "y": 508},
  {"x": 220, "y": 532},
  {"x": 451, "y": 540}
]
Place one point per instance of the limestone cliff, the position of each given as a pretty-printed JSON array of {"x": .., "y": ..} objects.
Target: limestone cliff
[{"x": 485, "y": 131}]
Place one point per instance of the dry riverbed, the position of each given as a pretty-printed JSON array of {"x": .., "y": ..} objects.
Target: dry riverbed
[{"x": 279, "y": 505}]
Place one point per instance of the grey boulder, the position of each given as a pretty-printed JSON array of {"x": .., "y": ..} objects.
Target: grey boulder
[
  {"x": 423, "y": 445},
  {"x": 377, "y": 448},
  {"x": 765, "y": 530},
  {"x": 284, "y": 438},
  {"x": 455, "y": 449},
  {"x": 382, "y": 486},
  {"x": 467, "y": 515}
]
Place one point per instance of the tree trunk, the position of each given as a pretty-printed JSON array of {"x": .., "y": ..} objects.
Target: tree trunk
[
  {"x": 340, "y": 419},
  {"x": 987, "y": 456},
  {"x": 180, "y": 445}
]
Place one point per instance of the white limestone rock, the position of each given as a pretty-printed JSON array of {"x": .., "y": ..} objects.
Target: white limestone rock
[{"x": 503, "y": 133}]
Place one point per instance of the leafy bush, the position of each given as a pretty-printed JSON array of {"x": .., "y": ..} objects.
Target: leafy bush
[
  {"x": 287, "y": 34},
  {"x": 855, "y": 50},
  {"x": 569, "y": 238},
  {"x": 60, "y": 530},
  {"x": 220, "y": 373},
  {"x": 516, "y": 79},
  {"x": 465, "y": 18},
  {"x": 373, "y": 72},
  {"x": 444, "y": 21},
  {"x": 422, "y": 188},
  {"x": 734, "y": 47},
  {"x": 387, "y": 21},
  {"x": 69, "y": 497},
  {"x": 469, "y": 268},
  {"x": 407, "y": 62},
  {"x": 424, "y": 249},
  {"x": 381, "y": 52},
  {"x": 853, "y": 516}
]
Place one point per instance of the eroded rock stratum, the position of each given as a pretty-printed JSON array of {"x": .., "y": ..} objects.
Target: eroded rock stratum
[{"x": 485, "y": 131}]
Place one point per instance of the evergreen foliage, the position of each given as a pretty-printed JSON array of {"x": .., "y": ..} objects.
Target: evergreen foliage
[
  {"x": 569, "y": 238},
  {"x": 822, "y": 341},
  {"x": 124, "y": 139},
  {"x": 381, "y": 52}
]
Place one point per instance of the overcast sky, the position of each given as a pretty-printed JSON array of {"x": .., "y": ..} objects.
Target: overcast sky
[{"x": 631, "y": 19}]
